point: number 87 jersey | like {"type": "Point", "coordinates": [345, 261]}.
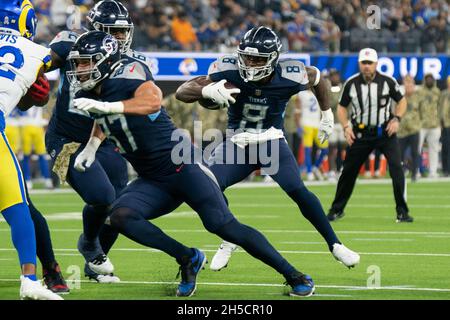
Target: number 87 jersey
{"type": "Point", "coordinates": [20, 62]}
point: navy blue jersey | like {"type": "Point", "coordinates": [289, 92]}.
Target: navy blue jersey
{"type": "Point", "coordinates": [260, 107]}
{"type": "Point", "coordinates": [145, 141]}
{"type": "Point", "coordinates": [66, 120]}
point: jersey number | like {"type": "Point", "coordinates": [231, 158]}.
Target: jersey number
{"type": "Point", "coordinates": [16, 63]}
{"type": "Point", "coordinates": [109, 120]}
{"type": "Point", "coordinates": [254, 113]}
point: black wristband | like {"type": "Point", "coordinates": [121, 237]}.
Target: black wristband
{"type": "Point", "coordinates": [398, 118]}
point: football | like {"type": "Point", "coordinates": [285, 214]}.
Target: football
{"type": "Point", "coordinates": [208, 104]}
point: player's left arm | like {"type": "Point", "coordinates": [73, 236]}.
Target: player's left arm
{"type": "Point", "coordinates": [147, 99]}
{"type": "Point", "coordinates": [320, 88]}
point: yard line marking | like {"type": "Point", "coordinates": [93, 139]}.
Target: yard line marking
{"type": "Point", "coordinates": [301, 242]}
{"type": "Point", "coordinates": [380, 239]}
{"type": "Point", "coordinates": [412, 254]}
{"type": "Point", "coordinates": [420, 233]}
{"type": "Point", "coordinates": [240, 284]}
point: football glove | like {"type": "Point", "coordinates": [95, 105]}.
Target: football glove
{"type": "Point", "coordinates": [220, 95]}
{"type": "Point", "coordinates": [326, 125]}
{"type": "Point", "coordinates": [99, 107]}
{"type": "Point", "coordinates": [40, 89]}
{"type": "Point", "coordinates": [86, 157]}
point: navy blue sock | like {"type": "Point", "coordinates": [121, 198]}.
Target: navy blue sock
{"type": "Point", "coordinates": [132, 225]}
{"type": "Point", "coordinates": [308, 159]}
{"type": "Point", "coordinates": [312, 210]}
{"type": "Point", "coordinates": [26, 168]}
{"type": "Point", "coordinates": [255, 244]}
{"type": "Point", "coordinates": [43, 165]}
{"type": "Point", "coordinates": [22, 232]}
{"type": "Point", "coordinates": [44, 246]}
{"type": "Point", "coordinates": [93, 219]}
{"type": "Point", "coordinates": [107, 237]}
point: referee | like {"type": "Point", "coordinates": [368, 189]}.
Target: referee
{"type": "Point", "coordinates": [373, 125]}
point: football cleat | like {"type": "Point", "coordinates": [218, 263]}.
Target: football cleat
{"type": "Point", "coordinates": [302, 285]}
{"type": "Point", "coordinates": [100, 278]}
{"type": "Point", "coordinates": [94, 256]}
{"type": "Point", "coordinates": [345, 256]}
{"type": "Point", "coordinates": [54, 280]}
{"type": "Point", "coordinates": [404, 217]}
{"type": "Point", "coordinates": [333, 216]}
{"type": "Point", "coordinates": [222, 256]}
{"type": "Point", "coordinates": [189, 273]}
{"type": "Point", "coordinates": [34, 290]}
{"type": "Point", "coordinates": [101, 265]}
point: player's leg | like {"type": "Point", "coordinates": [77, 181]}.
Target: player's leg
{"type": "Point", "coordinates": [203, 195]}
{"type": "Point", "coordinates": [115, 167]}
{"type": "Point", "coordinates": [39, 150]}
{"type": "Point", "coordinates": [51, 271]}
{"type": "Point", "coordinates": [95, 189]}
{"type": "Point", "coordinates": [355, 157]}
{"type": "Point", "coordinates": [323, 152]}
{"type": "Point", "coordinates": [289, 180]}
{"type": "Point", "coordinates": [142, 200]}
{"type": "Point", "coordinates": [229, 164]}
{"type": "Point", "coordinates": [15, 210]}
{"type": "Point", "coordinates": [308, 140]}
{"type": "Point", "coordinates": [27, 148]}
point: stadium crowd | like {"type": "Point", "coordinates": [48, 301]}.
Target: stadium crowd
{"type": "Point", "coordinates": [421, 26]}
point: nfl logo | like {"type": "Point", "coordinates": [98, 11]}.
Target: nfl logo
{"type": "Point", "coordinates": [258, 92]}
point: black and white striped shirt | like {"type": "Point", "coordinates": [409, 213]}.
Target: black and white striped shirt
{"type": "Point", "coordinates": [371, 102]}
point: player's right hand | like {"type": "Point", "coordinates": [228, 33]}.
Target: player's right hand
{"type": "Point", "coordinates": [219, 94]}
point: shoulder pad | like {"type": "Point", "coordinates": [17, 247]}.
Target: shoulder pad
{"type": "Point", "coordinates": [294, 70]}
{"type": "Point", "coordinates": [131, 71]}
{"type": "Point", "coordinates": [139, 56]}
{"type": "Point", "coordinates": [65, 36]}
{"type": "Point", "coordinates": [222, 64]}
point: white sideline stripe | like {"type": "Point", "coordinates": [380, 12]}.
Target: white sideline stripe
{"type": "Point", "coordinates": [412, 254]}
{"type": "Point", "coordinates": [424, 233]}
{"type": "Point", "coordinates": [240, 284]}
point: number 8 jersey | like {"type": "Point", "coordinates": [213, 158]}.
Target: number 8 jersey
{"type": "Point", "coordinates": [20, 62]}
{"type": "Point", "coordinates": [260, 106]}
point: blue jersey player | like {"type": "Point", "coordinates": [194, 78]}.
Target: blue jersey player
{"type": "Point", "coordinates": [127, 107]}
{"type": "Point", "coordinates": [263, 85]}
{"type": "Point", "coordinates": [68, 133]}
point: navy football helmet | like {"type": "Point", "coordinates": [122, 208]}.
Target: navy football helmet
{"type": "Point", "coordinates": [112, 17]}
{"type": "Point", "coordinates": [94, 56]}
{"type": "Point", "coordinates": [258, 53]}
{"type": "Point", "coordinates": [18, 16]}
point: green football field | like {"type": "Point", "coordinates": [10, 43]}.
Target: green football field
{"type": "Point", "coordinates": [398, 261]}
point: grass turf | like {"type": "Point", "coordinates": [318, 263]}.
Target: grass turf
{"type": "Point", "coordinates": [410, 260]}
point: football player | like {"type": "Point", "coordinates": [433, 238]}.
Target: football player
{"type": "Point", "coordinates": [27, 62]}
{"type": "Point", "coordinates": [142, 130]}
{"type": "Point", "coordinates": [264, 85]}
{"type": "Point", "coordinates": [68, 133]}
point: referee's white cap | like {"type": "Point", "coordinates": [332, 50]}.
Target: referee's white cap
{"type": "Point", "coordinates": [368, 54]}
